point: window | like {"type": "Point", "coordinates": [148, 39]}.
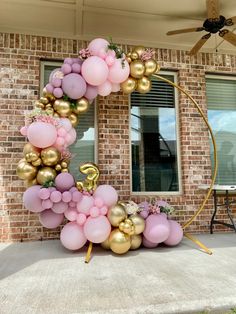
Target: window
{"type": "Point", "coordinates": [83, 150]}
{"type": "Point", "coordinates": [221, 103]}
{"type": "Point", "coordinates": [155, 166]}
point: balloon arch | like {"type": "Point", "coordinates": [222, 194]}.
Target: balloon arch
{"type": "Point", "coordinates": [93, 212]}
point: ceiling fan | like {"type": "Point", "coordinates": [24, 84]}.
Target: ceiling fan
{"type": "Point", "coordinates": [213, 24]}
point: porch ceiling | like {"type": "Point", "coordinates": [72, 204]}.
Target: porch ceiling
{"type": "Point", "coordinates": [133, 22]}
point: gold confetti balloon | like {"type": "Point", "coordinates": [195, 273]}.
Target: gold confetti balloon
{"type": "Point", "coordinates": [50, 156]}
{"type": "Point", "coordinates": [137, 69]}
{"type": "Point", "coordinates": [150, 67]}
{"type": "Point", "coordinates": [25, 170]}
{"type": "Point", "coordinates": [119, 242]}
{"type": "Point", "coordinates": [136, 241]}
{"type": "Point", "coordinates": [46, 174]}
{"type": "Point", "coordinates": [129, 85]}
{"type": "Point", "coordinates": [138, 222]}
{"type": "Point", "coordinates": [144, 85]}
{"type": "Point", "coordinates": [116, 214]}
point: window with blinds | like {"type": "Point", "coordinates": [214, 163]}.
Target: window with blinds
{"type": "Point", "coordinates": [154, 139]}
{"type": "Point", "coordinates": [221, 104]}
{"type": "Point", "coordinates": [83, 150]}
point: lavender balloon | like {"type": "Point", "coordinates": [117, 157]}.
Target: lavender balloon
{"type": "Point", "coordinates": [97, 229]}
{"type": "Point", "coordinates": [64, 181]}
{"type": "Point", "coordinates": [31, 199]}
{"type": "Point", "coordinates": [157, 228]}
{"type": "Point", "coordinates": [176, 233]}
{"type": "Point", "coordinates": [148, 244]}
{"type": "Point", "coordinates": [50, 220]}
{"type": "Point", "coordinates": [74, 86]}
{"type": "Point", "coordinates": [91, 92]}
{"type": "Point", "coordinates": [107, 193]}
{"type": "Point", "coordinates": [72, 236]}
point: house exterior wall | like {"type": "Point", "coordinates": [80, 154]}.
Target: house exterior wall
{"type": "Point", "coordinates": [20, 57]}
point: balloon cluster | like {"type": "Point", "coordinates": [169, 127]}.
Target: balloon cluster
{"type": "Point", "coordinates": [142, 66]}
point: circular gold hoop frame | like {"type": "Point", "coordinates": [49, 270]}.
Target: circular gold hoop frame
{"type": "Point", "coordinates": [213, 142]}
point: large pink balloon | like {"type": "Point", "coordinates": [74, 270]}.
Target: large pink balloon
{"type": "Point", "coordinates": [73, 85]}
{"type": "Point", "coordinates": [91, 92]}
{"type": "Point", "coordinates": [95, 71]}
{"type": "Point", "coordinates": [96, 45]}
{"type": "Point", "coordinates": [148, 244]}
{"type": "Point", "coordinates": [85, 204]}
{"type": "Point", "coordinates": [105, 89]}
{"type": "Point", "coordinates": [31, 199]}
{"type": "Point", "coordinates": [107, 193]}
{"type": "Point", "coordinates": [41, 134]}
{"type": "Point", "coordinates": [157, 228]}
{"type": "Point", "coordinates": [119, 71]}
{"type": "Point", "coordinates": [97, 229]}
{"type": "Point", "coordinates": [176, 233]}
{"type": "Point", "coordinates": [72, 236]}
{"type": "Point", "coordinates": [50, 220]}
{"type": "Point", "coordinates": [64, 181]}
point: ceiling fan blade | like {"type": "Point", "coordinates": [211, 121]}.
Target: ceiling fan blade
{"type": "Point", "coordinates": [229, 36]}
{"type": "Point", "coordinates": [185, 30]}
{"type": "Point", "coordinates": [231, 21]}
{"type": "Point", "coordinates": [199, 44]}
{"type": "Point", "coordinates": [212, 9]}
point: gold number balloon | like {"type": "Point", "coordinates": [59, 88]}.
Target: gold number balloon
{"type": "Point", "coordinates": [46, 174]}
{"type": "Point", "coordinates": [25, 170]}
{"type": "Point", "coordinates": [50, 156]}
{"type": "Point", "coordinates": [93, 173]}
{"type": "Point", "coordinates": [120, 242]}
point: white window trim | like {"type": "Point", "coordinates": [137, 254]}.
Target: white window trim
{"type": "Point", "coordinates": [162, 193]}
{"type": "Point", "coordinates": [58, 63]}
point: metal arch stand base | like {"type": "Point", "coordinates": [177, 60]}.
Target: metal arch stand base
{"type": "Point", "coordinates": [198, 243]}
{"type": "Point", "coordinates": [89, 251]}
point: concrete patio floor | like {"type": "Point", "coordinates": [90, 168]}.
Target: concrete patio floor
{"type": "Point", "coordinates": [42, 277]}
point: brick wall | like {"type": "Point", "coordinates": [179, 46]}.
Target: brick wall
{"type": "Point", "coordinates": [20, 57]}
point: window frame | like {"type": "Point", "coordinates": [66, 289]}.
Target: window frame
{"type": "Point", "coordinates": [178, 148]}
{"type": "Point", "coordinates": [58, 63]}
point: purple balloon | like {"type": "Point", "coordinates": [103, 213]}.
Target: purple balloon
{"type": "Point", "coordinates": [49, 88]}
{"type": "Point", "coordinates": [64, 181]}
{"type": "Point", "coordinates": [44, 193]}
{"type": "Point", "coordinates": [69, 61]}
{"type": "Point", "coordinates": [66, 196]}
{"type": "Point", "coordinates": [60, 207]}
{"type": "Point", "coordinates": [144, 214]}
{"type": "Point", "coordinates": [76, 68]}
{"type": "Point", "coordinates": [49, 219]}
{"type": "Point", "coordinates": [46, 204]}
{"type": "Point", "coordinates": [157, 228]}
{"type": "Point", "coordinates": [31, 199]}
{"type": "Point", "coordinates": [72, 236]}
{"type": "Point", "coordinates": [76, 196]}
{"type": "Point", "coordinates": [97, 229]}
{"type": "Point", "coordinates": [71, 214]}
{"type": "Point", "coordinates": [148, 244]}
{"type": "Point", "coordinates": [85, 204]}
{"type": "Point", "coordinates": [66, 68]}
{"type": "Point", "coordinates": [55, 196]}
{"type": "Point", "coordinates": [74, 86]}
{"type": "Point", "coordinates": [53, 74]}
{"type": "Point", "coordinates": [56, 82]}
{"type": "Point", "coordinates": [58, 92]}
{"type": "Point", "coordinates": [176, 233]}
{"type": "Point", "coordinates": [91, 92]}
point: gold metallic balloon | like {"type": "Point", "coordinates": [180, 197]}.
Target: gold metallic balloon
{"type": "Point", "coordinates": [127, 226]}
{"type": "Point", "coordinates": [137, 69]}
{"type": "Point", "coordinates": [56, 115]}
{"type": "Point", "coordinates": [64, 170]}
{"type": "Point", "coordinates": [44, 100]}
{"type": "Point", "coordinates": [129, 85]}
{"type": "Point", "coordinates": [39, 105]}
{"type": "Point", "coordinates": [116, 214]}
{"type": "Point", "coordinates": [134, 55]}
{"type": "Point", "coordinates": [93, 173]}
{"type": "Point", "coordinates": [119, 242]}
{"type": "Point", "coordinates": [29, 183]}
{"type": "Point", "coordinates": [136, 241]}
{"type": "Point", "coordinates": [129, 60]}
{"type": "Point", "coordinates": [25, 170]}
{"type": "Point", "coordinates": [46, 174]}
{"type": "Point", "coordinates": [45, 92]}
{"type": "Point", "coordinates": [50, 156]}
{"type": "Point", "coordinates": [82, 105]}
{"type": "Point", "coordinates": [73, 119]}
{"type": "Point", "coordinates": [58, 167]}
{"type": "Point", "coordinates": [105, 244]}
{"type": "Point", "coordinates": [64, 164]}
{"type": "Point", "coordinates": [140, 50]}
{"type": "Point", "coordinates": [48, 106]}
{"type": "Point", "coordinates": [150, 67]}
{"type": "Point", "coordinates": [37, 162]}
{"type": "Point", "coordinates": [62, 107]}
{"type": "Point", "coordinates": [138, 222]}
{"type": "Point", "coordinates": [144, 85]}
{"type": "Point", "coordinates": [128, 54]}
{"type": "Point", "coordinates": [29, 148]}
{"type": "Point", "coordinates": [50, 111]}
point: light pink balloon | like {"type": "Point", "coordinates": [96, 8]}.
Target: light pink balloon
{"type": "Point", "coordinates": [72, 204]}
{"type": "Point", "coordinates": [96, 45]}
{"type": "Point", "coordinates": [107, 193]}
{"type": "Point", "coordinates": [49, 219]}
{"type": "Point", "coordinates": [49, 88]}
{"type": "Point", "coordinates": [91, 92]}
{"type": "Point", "coordinates": [104, 89]}
{"type": "Point", "coordinates": [110, 60]}
{"type": "Point", "coordinates": [95, 71]}
{"type": "Point", "coordinates": [60, 207]}
{"type": "Point", "coordinates": [176, 233]}
{"type": "Point", "coordinates": [81, 219]}
{"type": "Point", "coordinates": [71, 214]}
{"type": "Point", "coordinates": [66, 68]}
{"type": "Point", "coordinates": [94, 211]}
{"type": "Point", "coordinates": [66, 196]}
{"type": "Point", "coordinates": [23, 130]}
{"type": "Point", "coordinates": [58, 92]}
{"type": "Point", "coordinates": [115, 87]}
{"type": "Point", "coordinates": [46, 204]}
{"type": "Point", "coordinates": [157, 228]}
{"type": "Point", "coordinates": [148, 244]}
{"type": "Point", "coordinates": [44, 193]}
{"type": "Point", "coordinates": [61, 132]}
{"type": "Point", "coordinates": [76, 196]}
{"type": "Point", "coordinates": [56, 82]}
{"type": "Point", "coordinates": [98, 201]}
{"type": "Point", "coordinates": [111, 53]}
{"type": "Point", "coordinates": [55, 196]}
{"type": "Point", "coordinates": [119, 71]}
{"type": "Point", "coordinates": [60, 141]}
{"type": "Point", "coordinates": [41, 134]}
{"type": "Point", "coordinates": [31, 199]}
{"type": "Point", "coordinates": [72, 236]}
{"type": "Point", "coordinates": [64, 181]}
{"type": "Point", "coordinates": [69, 61]}
{"type": "Point", "coordinates": [97, 229]}
{"type": "Point", "coordinates": [76, 68]}
{"type": "Point", "coordinates": [66, 124]}
{"type": "Point", "coordinates": [102, 53]}
{"type": "Point", "coordinates": [73, 85]}
{"type": "Point", "coordinates": [73, 135]}
{"type": "Point", "coordinates": [85, 204]}
{"type": "Point", "coordinates": [103, 210]}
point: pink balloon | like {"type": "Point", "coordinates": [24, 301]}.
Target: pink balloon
{"type": "Point", "coordinates": [66, 68]}
{"type": "Point", "coordinates": [60, 208]}
{"type": "Point", "coordinates": [56, 82]}
{"type": "Point", "coordinates": [111, 53]}
{"type": "Point", "coordinates": [73, 85]}
{"type": "Point", "coordinates": [44, 193]}
{"type": "Point", "coordinates": [95, 71]}
{"type": "Point", "coordinates": [102, 53]}
{"type": "Point", "coordinates": [66, 196]}
{"type": "Point", "coordinates": [73, 189]}
{"type": "Point", "coordinates": [66, 124]}
{"type": "Point", "coordinates": [157, 228]}
{"type": "Point", "coordinates": [76, 196]}
{"type": "Point", "coordinates": [97, 229]}
{"type": "Point", "coordinates": [50, 220]}
{"type": "Point", "coordinates": [115, 87]}
{"type": "Point", "coordinates": [69, 61]}
{"type": "Point", "coordinates": [94, 211]}
{"type": "Point", "coordinates": [60, 141]}
{"type": "Point", "coordinates": [76, 68]}
{"type": "Point", "coordinates": [23, 131]}
{"type": "Point", "coordinates": [103, 210]}
{"type": "Point", "coordinates": [49, 88]}
{"type": "Point", "coordinates": [72, 204]}
{"type": "Point", "coordinates": [31, 199]}
{"type": "Point", "coordinates": [41, 134]}
{"type": "Point", "coordinates": [73, 135]}
{"type": "Point", "coordinates": [81, 218]}
{"type": "Point", "coordinates": [110, 60]}
{"type": "Point", "coordinates": [149, 244]}
{"type": "Point", "coordinates": [98, 201]}
{"type": "Point", "coordinates": [58, 92]}
{"type": "Point", "coordinates": [55, 196]}
{"type": "Point", "coordinates": [71, 214]}
{"type": "Point", "coordinates": [54, 74]}
{"type": "Point", "coordinates": [119, 71]}
{"type": "Point", "coordinates": [46, 204]}
{"type": "Point", "coordinates": [72, 236]}
{"type": "Point", "coordinates": [91, 92]}
{"type": "Point", "coordinates": [104, 89]}
{"type": "Point", "coordinates": [85, 204]}
{"type": "Point", "coordinates": [64, 181]}
{"type": "Point", "coordinates": [176, 233]}
{"type": "Point", "coordinates": [144, 214]}
{"type": "Point", "coordinates": [107, 193]}
{"type": "Point", "coordinates": [61, 132]}
{"type": "Point", "coordinates": [96, 45]}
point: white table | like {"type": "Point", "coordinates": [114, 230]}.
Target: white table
{"type": "Point", "coordinates": [226, 204]}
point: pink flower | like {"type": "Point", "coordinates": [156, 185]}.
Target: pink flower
{"type": "Point", "coordinates": [84, 53]}
{"type": "Point", "coordinates": [147, 54]}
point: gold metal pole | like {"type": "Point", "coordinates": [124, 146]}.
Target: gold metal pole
{"type": "Point", "coordinates": [88, 255]}
{"type": "Point", "coordinates": [188, 223]}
